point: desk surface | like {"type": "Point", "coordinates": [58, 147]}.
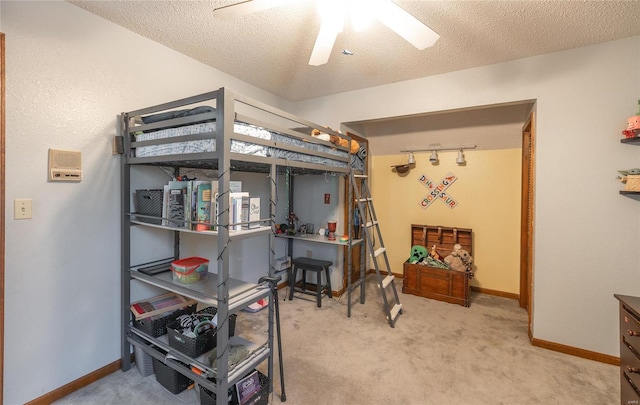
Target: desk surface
{"type": "Point", "coordinates": [318, 239]}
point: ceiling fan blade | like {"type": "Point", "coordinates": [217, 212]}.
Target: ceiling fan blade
{"type": "Point", "coordinates": [406, 25]}
{"type": "Point", "coordinates": [247, 7]}
{"type": "Point", "coordinates": [324, 42]}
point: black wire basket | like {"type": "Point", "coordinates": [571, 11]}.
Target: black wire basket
{"type": "Point", "coordinates": [157, 325]}
{"type": "Point", "coordinates": [149, 202]}
{"type": "Point", "coordinates": [202, 342]}
{"type": "Point", "coordinates": [169, 378]}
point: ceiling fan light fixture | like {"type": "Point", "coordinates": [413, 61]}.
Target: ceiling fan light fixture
{"type": "Point", "coordinates": [361, 14]}
{"type": "Point", "coordinates": [333, 10]}
{"type": "Point", "coordinates": [334, 13]}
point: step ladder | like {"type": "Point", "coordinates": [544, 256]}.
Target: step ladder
{"type": "Point", "coordinates": [371, 233]}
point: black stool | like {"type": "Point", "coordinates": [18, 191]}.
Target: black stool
{"type": "Point", "coordinates": [308, 264]}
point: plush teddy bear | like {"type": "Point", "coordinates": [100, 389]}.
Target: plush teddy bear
{"type": "Point", "coordinates": [459, 259]}
{"type": "Point", "coordinates": [336, 140]}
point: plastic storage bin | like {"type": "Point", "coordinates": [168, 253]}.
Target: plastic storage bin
{"type": "Point", "coordinates": [190, 269]}
{"type": "Point", "coordinates": [149, 202]}
{"type": "Point", "coordinates": [144, 362]}
{"type": "Point", "coordinates": [157, 325]}
{"type": "Point", "coordinates": [169, 378]}
{"type": "Point", "coordinates": [203, 342]}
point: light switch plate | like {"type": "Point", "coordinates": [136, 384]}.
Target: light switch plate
{"type": "Point", "coordinates": [22, 208]}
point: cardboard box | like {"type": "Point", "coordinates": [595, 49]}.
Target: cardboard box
{"type": "Point", "coordinates": [633, 183]}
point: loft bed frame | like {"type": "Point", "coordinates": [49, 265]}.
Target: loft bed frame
{"type": "Point", "coordinates": [232, 133]}
{"type": "Point", "coordinates": [281, 139]}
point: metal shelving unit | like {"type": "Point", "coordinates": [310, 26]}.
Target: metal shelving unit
{"type": "Point", "coordinates": [226, 294]}
{"type": "Point", "coordinates": [631, 141]}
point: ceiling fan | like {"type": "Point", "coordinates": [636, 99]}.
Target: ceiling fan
{"type": "Point", "coordinates": [334, 13]}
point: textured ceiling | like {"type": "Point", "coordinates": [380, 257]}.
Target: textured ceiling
{"type": "Point", "coordinates": [271, 49]}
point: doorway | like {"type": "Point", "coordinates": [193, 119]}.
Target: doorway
{"type": "Point", "coordinates": [355, 260]}
{"type": "Point", "coordinates": [494, 127]}
{"type": "Point", "coordinates": [527, 218]}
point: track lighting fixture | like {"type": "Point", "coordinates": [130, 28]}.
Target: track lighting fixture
{"type": "Point", "coordinates": [433, 158]}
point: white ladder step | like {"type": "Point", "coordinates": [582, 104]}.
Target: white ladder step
{"type": "Point", "coordinates": [360, 176]}
{"type": "Point", "coordinates": [370, 224]}
{"type": "Point", "coordinates": [364, 199]}
{"type": "Point", "coordinates": [379, 251]}
{"type": "Point", "coordinates": [387, 280]}
{"type": "Point", "coordinates": [395, 311]}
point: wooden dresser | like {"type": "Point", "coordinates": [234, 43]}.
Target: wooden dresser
{"type": "Point", "coordinates": [629, 349]}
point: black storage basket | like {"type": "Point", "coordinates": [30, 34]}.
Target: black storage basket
{"type": "Point", "coordinates": [144, 362]}
{"type": "Point", "coordinates": [204, 342]}
{"type": "Point", "coordinates": [169, 378]}
{"type": "Point", "coordinates": [157, 326]}
{"type": "Point", "coordinates": [261, 397]}
{"type": "Point", "coordinates": [149, 202]}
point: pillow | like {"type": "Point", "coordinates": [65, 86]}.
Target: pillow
{"type": "Point", "coordinates": [176, 114]}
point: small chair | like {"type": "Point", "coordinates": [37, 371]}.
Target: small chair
{"type": "Point", "coordinates": [308, 264]}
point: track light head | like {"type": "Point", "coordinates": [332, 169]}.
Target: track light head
{"type": "Point", "coordinates": [434, 157]}
{"type": "Point", "coordinates": [460, 160]}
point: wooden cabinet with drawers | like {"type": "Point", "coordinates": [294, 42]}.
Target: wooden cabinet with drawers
{"type": "Point", "coordinates": [629, 349]}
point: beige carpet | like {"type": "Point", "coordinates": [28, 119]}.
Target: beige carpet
{"type": "Point", "coordinates": [438, 353]}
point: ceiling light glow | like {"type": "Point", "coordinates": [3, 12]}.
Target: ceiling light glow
{"type": "Point", "coordinates": [334, 14]}
{"type": "Point", "coordinates": [361, 13]}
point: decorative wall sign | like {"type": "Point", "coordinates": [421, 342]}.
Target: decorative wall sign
{"type": "Point", "coordinates": [437, 191]}
{"type": "Point", "coordinates": [450, 201]}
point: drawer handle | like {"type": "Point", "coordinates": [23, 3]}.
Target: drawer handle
{"type": "Point", "coordinates": [633, 369]}
{"type": "Point", "coordinates": [632, 333]}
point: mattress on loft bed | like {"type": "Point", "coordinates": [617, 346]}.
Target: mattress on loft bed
{"type": "Point", "coordinates": [208, 145]}
{"type": "Point", "coordinates": [242, 147]}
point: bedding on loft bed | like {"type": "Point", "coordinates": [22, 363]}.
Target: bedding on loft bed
{"type": "Point", "coordinates": [237, 146]}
